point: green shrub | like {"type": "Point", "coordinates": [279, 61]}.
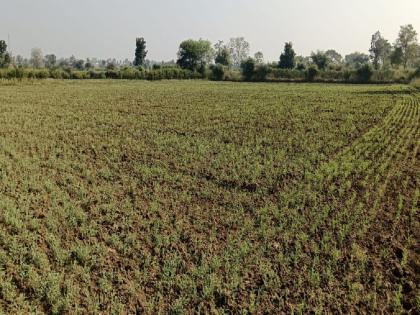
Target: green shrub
{"type": "Point", "coordinates": [57, 74]}
{"type": "Point", "coordinates": [311, 73]}
{"type": "Point", "coordinates": [129, 74]}
{"type": "Point", "coordinates": [217, 72]}
{"type": "Point", "coordinates": [248, 69]}
{"type": "Point", "coordinates": [364, 73]}
{"type": "Point", "coordinates": [42, 74]}
{"type": "Point", "coordinates": [113, 74]}
{"type": "Point", "coordinates": [289, 74]}
{"type": "Point", "coordinates": [332, 75]}
{"type": "Point", "coordinates": [97, 74]}
{"type": "Point", "coordinates": [384, 75]}
{"type": "Point", "coordinates": [261, 73]}
{"type": "Point", "coordinates": [416, 83]}
{"type": "Point", "coordinates": [79, 75]}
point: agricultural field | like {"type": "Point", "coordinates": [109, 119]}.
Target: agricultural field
{"type": "Point", "coordinates": [195, 197]}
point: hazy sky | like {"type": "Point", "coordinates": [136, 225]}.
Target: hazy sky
{"type": "Point", "coordinates": [108, 28]}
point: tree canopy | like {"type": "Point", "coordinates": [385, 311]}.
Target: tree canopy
{"type": "Point", "coordinates": [320, 59]}
{"type": "Point", "coordinates": [287, 58]}
{"type": "Point", "coordinates": [193, 54]}
{"type": "Point", "coordinates": [356, 60]}
{"type": "Point", "coordinates": [407, 42]}
{"type": "Point", "coordinates": [380, 50]}
{"type": "Point", "coordinates": [239, 50]}
{"type": "Point", "coordinates": [223, 56]}
{"type": "Point", "coordinates": [4, 55]}
{"type": "Point", "coordinates": [141, 52]}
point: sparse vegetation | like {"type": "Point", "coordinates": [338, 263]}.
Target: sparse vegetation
{"type": "Point", "coordinates": [204, 197]}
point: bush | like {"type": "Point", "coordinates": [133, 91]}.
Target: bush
{"type": "Point", "coordinates": [79, 75]}
{"type": "Point", "coordinates": [301, 66]}
{"type": "Point", "coordinates": [10, 73]}
{"type": "Point", "coordinates": [97, 74]}
{"type": "Point", "coordinates": [262, 72]}
{"type": "Point", "coordinates": [57, 74]}
{"type": "Point", "coordinates": [364, 73]}
{"type": "Point", "coordinates": [20, 73]}
{"type": "Point", "coordinates": [113, 74]}
{"type": "Point", "coordinates": [248, 69]}
{"type": "Point", "coordinates": [217, 72]}
{"type": "Point", "coordinates": [415, 74]}
{"type": "Point", "coordinates": [332, 75]}
{"type": "Point", "coordinates": [311, 73]}
{"type": "Point", "coordinates": [129, 74]}
{"type": "Point", "coordinates": [416, 83]}
{"type": "Point", "coordinates": [385, 75]}
{"type": "Point", "coordinates": [289, 74]}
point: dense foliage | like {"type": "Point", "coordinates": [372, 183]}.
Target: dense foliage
{"type": "Point", "coordinates": [141, 52]}
{"type": "Point", "coordinates": [232, 61]}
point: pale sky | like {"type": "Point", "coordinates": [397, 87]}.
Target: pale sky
{"type": "Point", "coordinates": [108, 28]}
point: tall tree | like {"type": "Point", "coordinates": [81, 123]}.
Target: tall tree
{"type": "Point", "coordinates": [407, 42]}
{"type": "Point", "coordinates": [3, 48]}
{"type": "Point", "coordinates": [37, 59]}
{"type": "Point", "coordinates": [334, 57]}
{"type": "Point", "coordinates": [380, 50]}
{"type": "Point", "coordinates": [248, 69]}
{"type": "Point", "coordinates": [50, 61]}
{"type": "Point", "coordinates": [223, 56]}
{"type": "Point", "coordinates": [287, 58]}
{"type": "Point", "coordinates": [356, 60]}
{"type": "Point", "coordinates": [239, 50]}
{"type": "Point", "coordinates": [396, 56]}
{"type": "Point", "coordinates": [141, 52]}
{"type": "Point", "coordinates": [4, 55]}
{"type": "Point", "coordinates": [259, 57]}
{"type": "Point", "coordinates": [194, 54]}
{"type": "Point", "coordinates": [320, 59]}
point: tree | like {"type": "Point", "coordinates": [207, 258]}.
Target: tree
{"type": "Point", "coordinates": [261, 72]}
{"type": "Point", "coordinates": [141, 52]}
{"type": "Point", "coordinates": [396, 56]}
{"type": "Point", "coordinates": [302, 62]}
{"type": "Point", "coordinates": [259, 57]}
{"type": "Point", "coordinates": [287, 58]}
{"type": "Point", "coordinates": [248, 68]}
{"type": "Point", "coordinates": [50, 61]}
{"type": "Point", "coordinates": [407, 41]}
{"type": "Point", "coordinates": [311, 73]}
{"type": "Point", "coordinates": [3, 48]}
{"type": "Point", "coordinates": [217, 72]}
{"type": "Point", "coordinates": [193, 54]}
{"type": "Point", "coordinates": [20, 61]}
{"type": "Point", "coordinates": [380, 49]}
{"type": "Point", "coordinates": [334, 57]}
{"type": "Point", "coordinates": [320, 59]}
{"type": "Point", "coordinates": [79, 64]}
{"type": "Point", "coordinates": [356, 60]}
{"type": "Point", "coordinates": [239, 50]}
{"type": "Point", "coordinates": [4, 55]}
{"type": "Point", "coordinates": [88, 64]}
{"type": "Point", "coordinates": [364, 73]}
{"type": "Point", "coordinates": [37, 59]}
{"type": "Point", "coordinates": [223, 56]}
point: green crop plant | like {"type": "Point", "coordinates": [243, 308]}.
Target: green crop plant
{"type": "Point", "coordinates": [182, 197]}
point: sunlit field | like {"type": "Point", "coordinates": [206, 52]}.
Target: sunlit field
{"type": "Point", "coordinates": [202, 197]}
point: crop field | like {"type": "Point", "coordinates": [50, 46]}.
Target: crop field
{"type": "Point", "coordinates": [194, 197]}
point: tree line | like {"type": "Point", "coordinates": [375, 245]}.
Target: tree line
{"type": "Point", "coordinates": [232, 61]}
